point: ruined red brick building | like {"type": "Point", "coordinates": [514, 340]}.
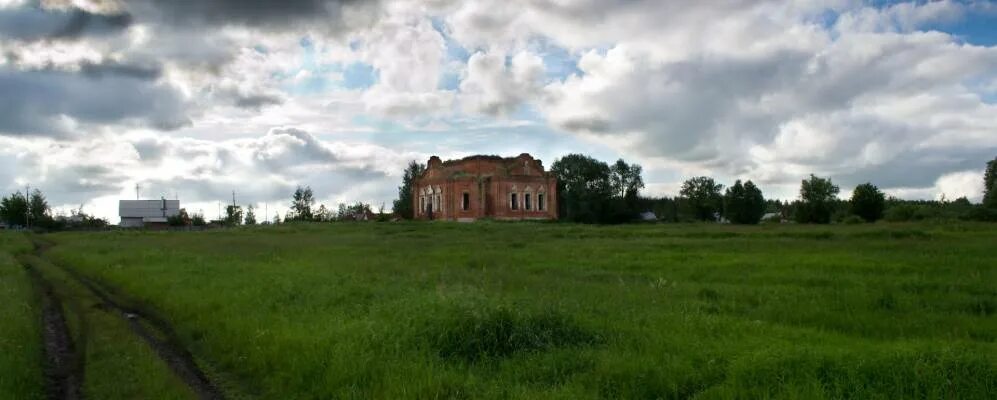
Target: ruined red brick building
{"type": "Point", "coordinates": [485, 187]}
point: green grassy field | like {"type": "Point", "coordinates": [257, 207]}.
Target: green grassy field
{"type": "Point", "coordinates": [118, 364]}
{"type": "Point", "coordinates": [20, 338]}
{"type": "Point", "coordinates": [495, 310]}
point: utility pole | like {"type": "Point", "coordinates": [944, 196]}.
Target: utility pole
{"type": "Point", "coordinates": [27, 206]}
{"type": "Point", "coordinates": [137, 191]}
{"type": "Point", "coordinates": [233, 198]}
{"type": "Point", "coordinates": [266, 212]}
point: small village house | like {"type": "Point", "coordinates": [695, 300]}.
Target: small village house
{"type": "Point", "coordinates": [147, 213]}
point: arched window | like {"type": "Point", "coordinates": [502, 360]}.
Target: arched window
{"type": "Point", "coordinates": [465, 201]}
{"type": "Point", "coordinates": [541, 201]}
{"type": "Point", "coordinates": [527, 203]}
{"type": "Point", "coordinates": [437, 199]}
{"type": "Point", "coordinates": [513, 202]}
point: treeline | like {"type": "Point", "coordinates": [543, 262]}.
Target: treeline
{"type": "Point", "coordinates": [302, 209]}
{"type": "Point", "coordinates": [591, 191]}
{"type": "Point", "coordinates": [18, 210]}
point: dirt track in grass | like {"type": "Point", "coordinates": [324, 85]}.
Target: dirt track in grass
{"type": "Point", "coordinates": [159, 335]}
{"type": "Point", "coordinates": [63, 363]}
{"type": "Point", "coordinates": [66, 376]}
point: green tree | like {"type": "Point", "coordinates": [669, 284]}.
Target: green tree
{"type": "Point", "coordinates": [744, 204]}
{"type": "Point", "coordinates": [323, 214]}
{"type": "Point", "coordinates": [703, 196]}
{"type": "Point", "coordinates": [33, 210]}
{"type": "Point", "coordinates": [817, 199]}
{"type": "Point", "coordinates": [301, 204]}
{"type": "Point", "coordinates": [198, 219]}
{"type": "Point", "coordinates": [755, 203]}
{"type": "Point", "coordinates": [868, 202]}
{"type": "Point", "coordinates": [403, 205]}
{"type": "Point", "coordinates": [250, 215]}
{"type": "Point", "coordinates": [626, 179]}
{"type": "Point", "coordinates": [356, 212]}
{"type": "Point", "coordinates": [584, 188]}
{"type": "Point", "coordinates": [233, 215]}
{"type": "Point", "coordinates": [181, 219]}
{"type": "Point", "coordinates": [990, 185]}
{"type": "Point", "coordinates": [14, 209]}
{"type": "Point", "coordinates": [734, 202]}
{"type": "Point", "coordinates": [38, 207]}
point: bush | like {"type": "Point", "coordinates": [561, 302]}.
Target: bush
{"type": "Point", "coordinates": [839, 216]}
{"type": "Point", "coordinates": [980, 213]}
{"type": "Point", "coordinates": [901, 213]}
{"type": "Point", "coordinates": [852, 220]}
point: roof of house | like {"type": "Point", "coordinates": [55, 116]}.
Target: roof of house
{"type": "Point", "coordinates": [148, 208]}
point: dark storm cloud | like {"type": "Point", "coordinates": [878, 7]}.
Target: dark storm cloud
{"type": "Point", "coordinates": [258, 13]}
{"type": "Point", "coordinates": [150, 150]}
{"type": "Point", "coordinates": [591, 124]}
{"type": "Point", "coordinates": [112, 69]}
{"type": "Point", "coordinates": [92, 180]}
{"type": "Point", "coordinates": [39, 102]}
{"type": "Point", "coordinates": [31, 23]}
{"type": "Point", "coordinates": [919, 168]}
{"type": "Point", "coordinates": [82, 22]}
{"type": "Point", "coordinates": [257, 101]}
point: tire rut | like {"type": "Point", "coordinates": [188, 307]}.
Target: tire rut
{"type": "Point", "coordinates": [157, 333]}
{"type": "Point", "coordinates": [63, 366]}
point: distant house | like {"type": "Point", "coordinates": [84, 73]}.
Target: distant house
{"type": "Point", "coordinates": [772, 216]}
{"type": "Point", "coordinates": [648, 216]}
{"type": "Point", "coordinates": [147, 213]}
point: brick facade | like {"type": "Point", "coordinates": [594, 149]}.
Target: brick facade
{"type": "Point", "coordinates": [485, 187]}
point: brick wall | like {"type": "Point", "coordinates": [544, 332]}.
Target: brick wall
{"type": "Point", "coordinates": [489, 183]}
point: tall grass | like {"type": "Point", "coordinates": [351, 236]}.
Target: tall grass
{"type": "Point", "coordinates": [20, 337]}
{"type": "Point", "coordinates": [493, 310]}
{"type": "Point", "coordinates": [117, 363]}
{"type": "Point", "coordinates": [475, 335]}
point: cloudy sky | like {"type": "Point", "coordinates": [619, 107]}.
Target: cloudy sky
{"type": "Point", "coordinates": [199, 98]}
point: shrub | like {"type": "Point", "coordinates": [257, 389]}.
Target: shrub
{"type": "Point", "coordinates": [852, 220]}
{"type": "Point", "coordinates": [980, 213]}
{"type": "Point", "coordinates": [901, 213]}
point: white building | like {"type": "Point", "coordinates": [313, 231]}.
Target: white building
{"type": "Point", "coordinates": [139, 213]}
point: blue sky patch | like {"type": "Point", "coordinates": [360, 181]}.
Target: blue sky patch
{"type": "Point", "coordinates": [978, 28]}
{"type": "Point", "coordinates": [359, 76]}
